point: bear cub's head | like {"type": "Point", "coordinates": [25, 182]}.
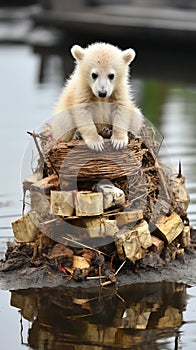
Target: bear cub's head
{"type": "Point", "coordinates": [102, 67]}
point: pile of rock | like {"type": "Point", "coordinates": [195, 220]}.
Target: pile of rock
{"type": "Point", "coordinates": [84, 199]}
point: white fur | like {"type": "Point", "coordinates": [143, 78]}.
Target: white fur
{"type": "Point", "coordinates": [97, 95]}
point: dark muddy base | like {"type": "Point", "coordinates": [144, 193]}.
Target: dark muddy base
{"type": "Point", "coordinates": [175, 271]}
{"type": "Point", "coordinates": [16, 275]}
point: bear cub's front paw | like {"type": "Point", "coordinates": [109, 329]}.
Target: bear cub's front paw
{"type": "Point", "coordinates": [96, 145]}
{"type": "Point", "coordinates": [119, 143]}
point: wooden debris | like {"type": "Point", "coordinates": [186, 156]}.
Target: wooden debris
{"type": "Point", "coordinates": [132, 244]}
{"type": "Point", "coordinates": [46, 185]}
{"type": "Point", "coordinates": [185, 237]}
{"type": "Point", "coordinates": [62, 203]}
{"type": "Point", "coordinates": [127, 217]}
{"type": "Point", "coordinates": [180, 252]}
{"type": "Point", "coordinates": [60, 251]}
{"type": "Point", "coordinates": [161, 207]}
{"type": "Point", "coordinates": [40, 203]}
{"type": "Point", "coordinates": [168, 227]}
{"type": "Point", "coordinates": [78, 263]}
{"type": "Point", "coordinates": [181, 198]}
{"type": "Point", "coordinates": [26, 228]}
{"type": "Point", "coordinates": [142, 231]}
{"type": "Point", "coordinates": [119, 242]}
{"type": "Point", "coordinates": [89, 203]}
{"type": "Point", "coordinates": [27, 183]}
{"type": "Point", "coordinates": [112, 196]}
{"type": "Point", "coordinates": [100, 227]}
{"type": "Point", "coordinates": [157, 244]}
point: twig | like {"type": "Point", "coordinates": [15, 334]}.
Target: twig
{"type": "Point", "coordinates": [84, 245]}
{"type": "Point", "coordinates": [117, 271]}
{"type": "Point", "coordinates": [23, 201]}
{"type": "Point", "coordinates": [42, 137]}
{"type": "Point", "coordinates": [164, 184]}
{"type": "Point", "coordinates": [180, 169]}
{"type": "Point", "coordinates": [139, 197]}
{"type": "Point", "coordinates": [34, 135]}
{"type": "Point", "coordinates": [118, 296]}
{"type": "Point", "coordinates": [103, 284]}
{"type": "Point", "coordinates": [53, 167]}
{"type": "Point", "coordinates": [100, 275]}
{"type": "Point", "coordinates": [95, 277]}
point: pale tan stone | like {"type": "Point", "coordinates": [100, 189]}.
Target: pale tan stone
{"type": "Point", "coordinates": [78, 262]}
{"type": "Point", "coordinates": [133, 249]}
{"type": "Point", "coordinates": [143, 234]}
{"type": "Point", "coordinates": [40, 203]}
{"type": "Point", "coordinates": [62, 203]}
{"type": "Point", "coordinates": [26, 228]}
{"type": "Point", "coordinates": [181, 198]}
{"type": "Point", "coordinates": [112, 196]}
{"type": "Point", "coordinates": [46, 184]}
{"type": "Point", "coordinates": [157, 243]}
{"type": "Point", "coordinates": [169, 227]}
{"type": "Point", "coordinates": [127, 217]}
{"type": "Point", "coordinates": [185, 237]}
{"type": "Point", "coordinates": [31, 180]}
{"type": "Point", "coordinates": [100, 227]}
{"type": "Point", "coordinates": [132, 243]}
{"type": "Point", "coordinates": [89, 203]}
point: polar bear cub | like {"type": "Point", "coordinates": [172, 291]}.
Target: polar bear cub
{"type": "Point", "coordinates": [98, 95]}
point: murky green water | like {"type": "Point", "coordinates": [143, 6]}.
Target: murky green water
{"type": "Point", "coordinates": [158, 316]}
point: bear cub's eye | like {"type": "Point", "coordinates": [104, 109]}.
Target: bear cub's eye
{"type": "Point", "coordinates": [111, 76]}
{"type": "Point", "coordinates": [94, 76]}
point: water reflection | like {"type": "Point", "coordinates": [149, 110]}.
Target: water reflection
{"type": "Point", "coordinates": [135, 317]}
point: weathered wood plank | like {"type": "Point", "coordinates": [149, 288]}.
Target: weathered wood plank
{"type": "Point", "coordinates": [168, 227]}
{"type": "Point", "coordinates": [181, 197]}
{"type": "Point", "coordinates": [132, 244]}
{"type": "Point", "coordinates": [157, 244]}
{"type": "Point", "coordinates": [89, 203]}
{"type": "Point", "coordinates": [46, 185]}
{"type": "Point", "coordinates": [40, 203]}
{"type": "Point", "coordinates": [26, 228]}
{"type": "Point", "coordinates": [127, 217]}
{"type": "Point", "coordinates": [62, 203]}
{"type": "Point", "coordinates": [112, 196]}
{"type": "Point", "coordinates": [27, 183]}
{"type": "Point", "coordinates": [100, 227]}
{"type": "Point", "coordinates": [185, 237]}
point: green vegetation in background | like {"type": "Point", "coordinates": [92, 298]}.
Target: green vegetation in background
{"type": "Point", "coordinates": [153, 97]}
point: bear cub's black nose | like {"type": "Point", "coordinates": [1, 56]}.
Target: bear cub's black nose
{"type": "Point", "coordinates": [102, 94]}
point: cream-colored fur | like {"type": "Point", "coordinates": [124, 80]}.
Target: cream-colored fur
{"type": "Point", "coordinates": [98, 95]}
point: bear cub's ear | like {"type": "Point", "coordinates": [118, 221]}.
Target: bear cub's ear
{"type": "Point", "coordinates": [77, 52]}
{"type": "Point", "coordinates": [128, 55]}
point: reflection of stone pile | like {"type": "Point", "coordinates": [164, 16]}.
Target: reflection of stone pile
{"type": "Point", "coordinates": [67, 319]}
{"type": "Point", "coordinates": [82, 198]}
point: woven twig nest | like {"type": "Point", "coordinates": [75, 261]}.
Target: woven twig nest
{"type": "Point", "coordinates": [75, 158]}
{"type": "Point", "coordinates": [135, 169]}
